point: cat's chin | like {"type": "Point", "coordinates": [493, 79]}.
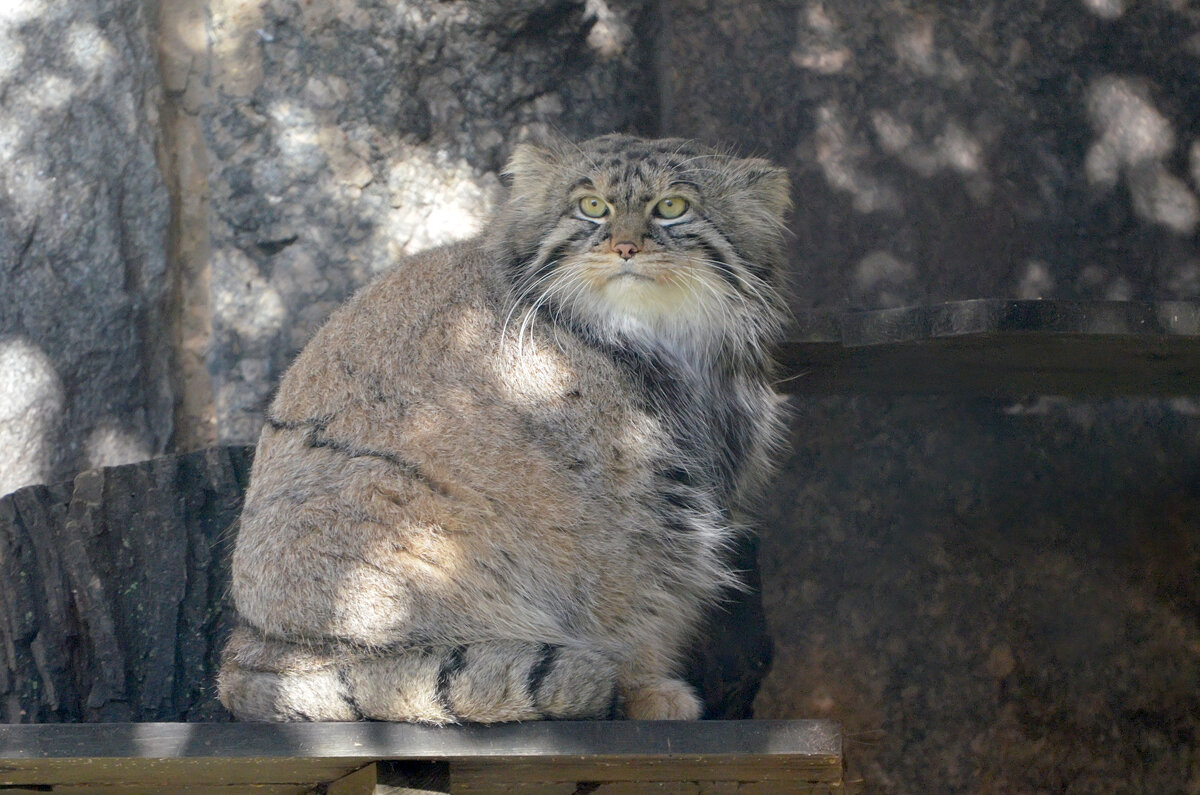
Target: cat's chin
{"type": "Point", "coordinates": [643, 309]}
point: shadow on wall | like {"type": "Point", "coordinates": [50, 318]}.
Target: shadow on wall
{"type": "Point", "coordinates": [996, 150]}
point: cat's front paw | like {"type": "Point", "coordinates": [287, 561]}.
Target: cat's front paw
{"type": "Point", "coordinates": [665, 699]}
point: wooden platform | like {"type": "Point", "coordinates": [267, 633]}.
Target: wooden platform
{"type": "Point", "coordinates": [344, 758]}
{"type": "Point", "coordinates": [999, 348]}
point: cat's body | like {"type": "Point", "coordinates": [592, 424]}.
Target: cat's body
{"type": "Point", "coordinates": [497, 485]}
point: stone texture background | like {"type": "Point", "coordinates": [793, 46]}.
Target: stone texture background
{"type": "Point", "coordinates": [993, 596]}
{"type": "Point", "coordinates": [83, 231]}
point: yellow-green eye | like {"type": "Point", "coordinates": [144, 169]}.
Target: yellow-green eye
{"type": "Point", "coordinates": [671, 207]}
{"type": "Point", "coordinates": [593, 207]}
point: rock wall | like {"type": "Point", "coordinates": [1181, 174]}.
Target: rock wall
{"type": "Point", "coordinates": [946, 150]}
{"type": "Point", "coordinates": [83, 226]}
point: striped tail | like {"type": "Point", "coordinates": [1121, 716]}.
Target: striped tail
{"type": "Point", "coordinates": [486, 682]}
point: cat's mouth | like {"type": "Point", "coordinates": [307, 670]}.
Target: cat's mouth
{"type": "Point", "coordinates": [630, 274]}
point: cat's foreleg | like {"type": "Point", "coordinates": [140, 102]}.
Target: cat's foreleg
{"type": "Point", "coordinates": [648, 683]}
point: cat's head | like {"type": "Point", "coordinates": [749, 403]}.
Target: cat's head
{"type": "Point", "coordinates": [660, 238]}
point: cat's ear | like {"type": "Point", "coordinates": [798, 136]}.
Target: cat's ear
{"type": "Point", "coordinates": [529, 167]}
{"type": "Point", "coordinates": [765, 185]}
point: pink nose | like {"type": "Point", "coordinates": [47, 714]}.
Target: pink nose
{"type": "Point", "coordinates": [626, 250]}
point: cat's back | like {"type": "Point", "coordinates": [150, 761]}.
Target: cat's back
{"type": "Point", "coordinates": [431, 312]}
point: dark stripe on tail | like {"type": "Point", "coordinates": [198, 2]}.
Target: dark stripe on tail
{"type": "Point", "coordinates": [614, 705]}
{"type": "Point", "coordinates": [348, 692]}
{"type": "Point", "coordinates": [453, 663]}
{"type": "Point", "coordinates": [547, 655]}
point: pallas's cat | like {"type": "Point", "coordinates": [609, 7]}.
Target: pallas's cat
{"type": "Point", "coordinates": [498, 484]}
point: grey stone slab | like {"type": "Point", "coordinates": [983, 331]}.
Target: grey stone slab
{"type": "Point", "coordinates": [1000, 349]}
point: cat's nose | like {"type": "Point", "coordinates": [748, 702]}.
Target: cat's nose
{"type": "Point", "coordinates": [626, 249]}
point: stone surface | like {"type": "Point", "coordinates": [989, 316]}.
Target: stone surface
{"type": "Point", "coordinates": [83, 217]}
{"type": "Point", "coordinates": [992, 597]}
{"type": "Point", "coordinates": [947, 150]}
{"type": "Point", "coordinates": [343, 136]}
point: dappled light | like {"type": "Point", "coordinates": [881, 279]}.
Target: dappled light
{"type": "Point", "coordinates": [1036, 281]}
{"type": "Point", "coordinates": [234, 41]}
{"type": "Point", "coordinates": [839, 152]}
{"type": "Point", "coordinates": [977, 144]}
{"type": "Point", "coordinates": [31, 401]}
{"type": "Point", "coordinates": [527, 371]}
{"type": "Point", "coordinates": [916, 46]}
{"type": "Point", "coordinates": [847, 156]}
{"type": "Point", "coordinates": [294, 133]}
{"type": "Point", "coordinates": [819, 45]}
{"type": "Point", "coordinates": [881, 280]}
{"type": "Point", "coordinates": [1105, 9]}
{"type": "Point", "coordinates": [251, 304]}
{"type": "Point", "coordinates": [610, 34]}
{"type": "Point", "coordinates": [1162, 198]}
{"type": "Point", "coordinates": [90, 50]}
{"type": "Point", "coordinates": [953, 149]}
{"type": "Point", "coordinates": [51, 92]}
{"type": "Point", "coordinates": [15, 12]}
{"type": "Point", "coordinates": [109, 445]}
{"type": "Point", "coordinates": [1134, 140]}
{"type": "Point", "coordinates": [83, 218]}
{"type": "Point", "coordinates": [435, 198]}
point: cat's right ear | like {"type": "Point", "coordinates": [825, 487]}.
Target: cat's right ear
{"type": "Point", "coordinates": [529, 165]}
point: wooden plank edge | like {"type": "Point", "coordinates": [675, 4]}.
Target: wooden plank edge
{"type": "Point", "coordinates": [549, 740]}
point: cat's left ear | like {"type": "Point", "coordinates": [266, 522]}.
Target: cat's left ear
{"type": "Point", "coordinates": [765, 185]}
{"type": "Point", "coordinates": [531, 168]}
{"type": "Point", "coordinates": [528, 161]}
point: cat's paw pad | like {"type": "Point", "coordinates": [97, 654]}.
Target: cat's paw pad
{"type": "Point", "coordinates": [668, 699]}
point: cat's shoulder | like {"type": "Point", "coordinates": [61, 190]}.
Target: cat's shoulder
{"type": "Point", "coordinates": [418, 295]}
{"type": "Point", "coordinates": [404, 319]}
{"type": "Point", "coordinates": [432, 279]}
